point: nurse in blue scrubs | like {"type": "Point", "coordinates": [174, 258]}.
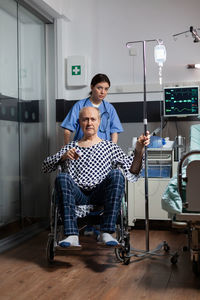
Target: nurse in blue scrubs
{"type": "Point", "coordinates": [110, 124]}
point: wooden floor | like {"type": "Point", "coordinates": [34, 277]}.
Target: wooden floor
{"type": "Point", "coordinates": [94, 274]}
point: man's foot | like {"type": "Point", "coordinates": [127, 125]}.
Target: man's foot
{"type": "Point", "coordinates": [72, 241]}
{"type": "Point", "coordinates": [108, 240]}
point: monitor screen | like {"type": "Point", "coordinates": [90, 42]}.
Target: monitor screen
{"type": "Point", "coordinates": [181, 101]}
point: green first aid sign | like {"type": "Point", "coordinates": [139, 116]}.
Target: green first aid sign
{"type": "Point", "coordinates": [76, 70]}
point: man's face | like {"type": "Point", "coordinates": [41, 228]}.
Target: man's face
{"type": "Point", "coordinates": [99, 91]}
{"type": "Point", "coordinates": [89, 121]}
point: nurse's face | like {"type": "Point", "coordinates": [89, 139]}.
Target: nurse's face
{"type": "Point", "coordinates": [99, 91]}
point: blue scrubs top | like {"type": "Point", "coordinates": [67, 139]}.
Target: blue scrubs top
{"type": "Point", "coordinates": [110, 122]}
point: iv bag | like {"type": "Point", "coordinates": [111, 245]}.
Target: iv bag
{"type": "Point", "coordinates": [160, 54]}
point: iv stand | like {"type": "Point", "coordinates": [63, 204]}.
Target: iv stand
{"type": "Point", "coordinates": [146, 153]}
{"type": "Point", "coordinates": [163, 245]}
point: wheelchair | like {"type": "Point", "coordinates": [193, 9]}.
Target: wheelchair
{"type": "Point", "coordinates": [93, 218]}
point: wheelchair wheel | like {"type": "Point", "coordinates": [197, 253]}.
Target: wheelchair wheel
{"type": "Point", "coordinates": [119, 254]}
{"type": "Point", "coordinates": [50, 251]}
{"type": "Point", "coordinates": [122, 253]}
{"type": "Point", "coordinates": [166, 247]}
{"type": "Point", "coordinates": [127, 260]}
{"type": "Point", "coordinates": [174, 258]}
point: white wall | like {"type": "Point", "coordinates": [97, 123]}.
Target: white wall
{"type": "Point", "coordinates": [100, 30]}
{"type": "Point", "coordinates": [53, 8]}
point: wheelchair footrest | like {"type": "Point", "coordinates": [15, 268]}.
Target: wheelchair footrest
{"type": "Point", "coordinates": [77, 248]}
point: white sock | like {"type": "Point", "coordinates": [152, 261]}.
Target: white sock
{"type": "Point", "coordinates": [107, 239]}
{"type": "Point", "coordinates": [71, 240]}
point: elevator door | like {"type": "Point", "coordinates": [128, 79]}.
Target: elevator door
{"type": "Point", "coordinates": [23, 146]}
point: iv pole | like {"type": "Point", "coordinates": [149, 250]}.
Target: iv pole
{"type": "Point", "coordinates": [163, 244]}
{"type": "Point", "coordinates": [146, 154]}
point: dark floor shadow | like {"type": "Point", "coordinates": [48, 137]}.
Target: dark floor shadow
{"type": "Point", "coordinates": [34, 251]}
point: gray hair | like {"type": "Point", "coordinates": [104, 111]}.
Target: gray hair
{"type": "Point", "coordinates": [96, 108]}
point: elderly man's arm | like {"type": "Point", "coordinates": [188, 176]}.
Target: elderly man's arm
{"type": "Point", "coordinates": [51, 163]}
{"type": "Point", "coordinates": [142, 141]}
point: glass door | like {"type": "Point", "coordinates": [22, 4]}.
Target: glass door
{"type": "Point", "coordinates": [32, 104]}
{"type": "Point", "coordinates": [23, 146]}
{"type": "Point", "coordinates": [9, 131]}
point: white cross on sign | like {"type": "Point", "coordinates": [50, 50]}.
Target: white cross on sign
{"type": "Point", "coordinates": [76, 70]}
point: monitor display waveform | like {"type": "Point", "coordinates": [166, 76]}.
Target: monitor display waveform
{"type": "Point", "coordinates": [181, 101]}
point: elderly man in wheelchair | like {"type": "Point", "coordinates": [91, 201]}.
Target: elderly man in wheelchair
{"type": "Point", "coordinates": [92, 172]}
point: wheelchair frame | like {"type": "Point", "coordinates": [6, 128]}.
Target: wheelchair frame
{"type": "Point", "coordinates": [56, 232]}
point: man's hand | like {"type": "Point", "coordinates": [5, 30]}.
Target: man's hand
{"type": "Point", "coordinates": [142, 141]}
{"type": "Point", "coordinates": [70, 154]}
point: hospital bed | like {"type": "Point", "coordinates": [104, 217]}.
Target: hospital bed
{"type": "Point", "coordinates": [190, 195]}
{"type": "Point", "coordinates": [182, 197]}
